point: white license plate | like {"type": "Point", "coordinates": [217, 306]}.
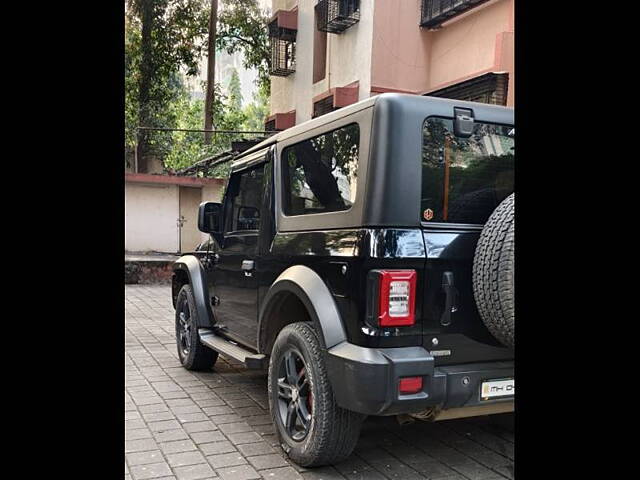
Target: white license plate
{"type": "Point", "coordinates": [498, 388]}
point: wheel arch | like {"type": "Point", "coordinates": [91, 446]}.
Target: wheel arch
{"type": "Point", "coordinates": [188, 270]}
{"type": "Point", "coordinates": [299, 294]}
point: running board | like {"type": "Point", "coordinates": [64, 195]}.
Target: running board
{"type": "Point", "coordinates": [224, 346]}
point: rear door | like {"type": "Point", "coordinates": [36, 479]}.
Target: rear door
{"type": "Point", "coordinates": [463, 181]}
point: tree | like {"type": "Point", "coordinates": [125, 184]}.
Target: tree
{"type": "Point", "coordinates": [211, 70]}
{"type": "Point", "coordinates": [171, 37]}
{"type": "Point", "coordinates": [257, 111]}
{"type": "Point", "coordinates": [243, 27]}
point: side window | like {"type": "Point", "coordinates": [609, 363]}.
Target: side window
{"type": "Point", "coordinates": [244, 200]}
{"type": "Point", "coordinates": [319, 174]}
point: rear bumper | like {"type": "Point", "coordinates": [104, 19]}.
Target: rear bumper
{"type": "Point", "coordinates": [366, 380]}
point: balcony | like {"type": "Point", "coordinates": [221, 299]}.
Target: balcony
{"type": "Point", "coordinates": [335, 16]}
{"type": "Point", "coordinates": [436, 12]}
{"type": "Point", "coordinates": [283, 29]}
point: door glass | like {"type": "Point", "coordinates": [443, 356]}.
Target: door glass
{"type": "Point", "coordinates": [245, 192]}
{"type": "Point", "coordinates": [319, 174]}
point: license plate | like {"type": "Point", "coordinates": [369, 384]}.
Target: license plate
{"type": "Point", "coordinates": [498, 388]}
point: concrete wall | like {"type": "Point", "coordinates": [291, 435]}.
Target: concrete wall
{"type": "Point", "coordinates": [151, 213]}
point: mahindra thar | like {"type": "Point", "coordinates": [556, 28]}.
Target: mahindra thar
{"type": "Point", "coordinates": [366, 259]}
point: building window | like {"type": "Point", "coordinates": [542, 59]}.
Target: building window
{"type": "Point", "coordinates": [323, 106]}
{"type": "Point", "coordinates": [436, 12]}
{"type": "Point", "coordinates": [282, 38]}
{"type": "Point", "coordinates": [319, 174]}
{"type": "Point", "coordinates": [489, 88]}
{"type": "Point", "coordinates": [335, 16]}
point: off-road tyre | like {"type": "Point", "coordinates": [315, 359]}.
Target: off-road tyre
{"type": "Point", "coordinates": [493, 273]}
{"type": "Point", "coordinates": [198, 357]}
{"type": "Point", "coordinates": [334, 431]}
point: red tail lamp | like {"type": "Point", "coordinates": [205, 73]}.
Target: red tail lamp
{"type": "Point", "coordinates": [397, 298]}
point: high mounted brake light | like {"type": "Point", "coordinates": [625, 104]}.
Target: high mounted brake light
{"type": "Point", "coordinates": [396, 298]}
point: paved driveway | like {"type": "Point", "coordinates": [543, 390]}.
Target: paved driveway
{"type": "Point", "coordinates": [186, 425]}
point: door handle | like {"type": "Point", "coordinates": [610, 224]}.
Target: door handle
{"type": "Point", "coordinates": [247, 267]}
{"type": "Point", "coordinates": [451, 298]}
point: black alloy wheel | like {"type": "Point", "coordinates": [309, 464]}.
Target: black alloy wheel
{"type": "Point", "coordinates": [295, 401]}
{"type": "Point", "coordinates": [183, 328]}
{"type": "Point", "coordinates": [192, 353]}
{"type": "Point", "coordinates": [313, 430]}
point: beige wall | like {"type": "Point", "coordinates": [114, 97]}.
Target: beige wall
{"type": "Point", "coordinates": [348, 60]}
{"type": "Point", "coordinates": [151, 213]}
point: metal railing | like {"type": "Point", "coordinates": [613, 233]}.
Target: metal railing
{"type": "Point", "coordinates": [335, 16]}
{"type": "Point", "coordinates": [436, 12]}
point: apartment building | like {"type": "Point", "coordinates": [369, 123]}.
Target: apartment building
{"type": "Point", "coordinates": [327, 54]}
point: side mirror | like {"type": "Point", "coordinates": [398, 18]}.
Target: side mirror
{"type": "Point", "coordinates": [210, 217]}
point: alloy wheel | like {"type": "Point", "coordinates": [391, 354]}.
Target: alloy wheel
{"type": "Point", "coordinates": [294, 395]}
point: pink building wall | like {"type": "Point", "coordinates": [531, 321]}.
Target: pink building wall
{"type": "Point", "coordinates": [418, 60]}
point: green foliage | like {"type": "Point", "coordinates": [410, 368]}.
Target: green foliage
{"type": "Point", "coordinates": [175, 40]}
{"type": "Point", "coordinates": [242, 26]}
{"type": "Point", "coordinates": [257, 111]}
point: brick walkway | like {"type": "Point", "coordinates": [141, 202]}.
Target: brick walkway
{"type": "Point", "coordinates": [186, 425]}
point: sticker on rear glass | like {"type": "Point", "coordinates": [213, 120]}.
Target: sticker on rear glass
{"type": "Point", "coordinates": [427, 214]}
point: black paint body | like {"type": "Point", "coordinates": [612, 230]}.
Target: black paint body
{"type": "Point", "coordinates": [386, 233]}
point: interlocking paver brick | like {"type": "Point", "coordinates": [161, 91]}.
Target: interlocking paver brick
{"type": "Point", "coordinates": [226, 460]}
{"type": "Point", "coordinates": [215, 448]}
{"type": "Point", "coordinates": [200, 422]}
{"type": "Point", "coordinates": [137, 434]}
{"type": "Point", "coordinates": [193, 427]}
{"type": "Point", "coordinates": [271, 460]}
{"type": "Point", "coordinates": [142, 458]}
{"type": "Point", "coordinates": [170, 435]}
{"type": "Point", "coordinates": [177, 446]}
{"type": "Point", "coordinates": [185, 458]}
{"type": "Point", "coordinates": [259, 448]}
{"type": "Point", "coordinates": [153, 470]}
{"type": "Point", "coordinates": [140, 445]}
{"type": "Point", "coordinates": [237, 427]}
{"type": "Point", "coordinates": [191, 417]}
{"type": "Point", "coordinates": [201, 471]}
{"type": "Point", "coordinates": [243, 472]}
{"type": "Point", "coordinates": [207, 437]}
{"type": "Point", "coordinates": [244, 437]}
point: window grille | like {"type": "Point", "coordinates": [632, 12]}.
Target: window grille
{"type": "Point", "coordinates": [283, 49]}
{"type": "Point", "coordinates": [489, 88]}
{"type": "Point", "coordinates": [323, 106]}
{"type": "Point", "coordinates": [335, 16]}
{"type": "Point", "coordinates": [436, 12]}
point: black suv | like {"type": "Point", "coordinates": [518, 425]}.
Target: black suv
{"type": "Point", "coordinates": [365, 258]}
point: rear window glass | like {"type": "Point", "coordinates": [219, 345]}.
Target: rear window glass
{"type": "Point", "coordinates": [464, 179]}
{"type": "Point", "coordinates": [319, 174]}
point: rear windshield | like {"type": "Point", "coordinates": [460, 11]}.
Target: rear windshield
{"type": "Point", "coordinates": [464, 179]}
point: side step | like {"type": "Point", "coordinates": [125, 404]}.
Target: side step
{"type": "Point", "coordinates": [224, 346]}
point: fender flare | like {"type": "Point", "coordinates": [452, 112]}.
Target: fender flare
{"type": "Point", "coordinates": [311, 290]}
{"type": "Point", "coordinates": [198, 281]}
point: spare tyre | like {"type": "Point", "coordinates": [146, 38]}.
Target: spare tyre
{"type": "Point", "coordinates": [493, 273]}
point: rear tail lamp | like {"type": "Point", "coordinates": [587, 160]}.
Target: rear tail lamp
{"type": "Point", "coordinates": [396, 298]}
{"type": "Point", "coordinates": [409, 385]}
